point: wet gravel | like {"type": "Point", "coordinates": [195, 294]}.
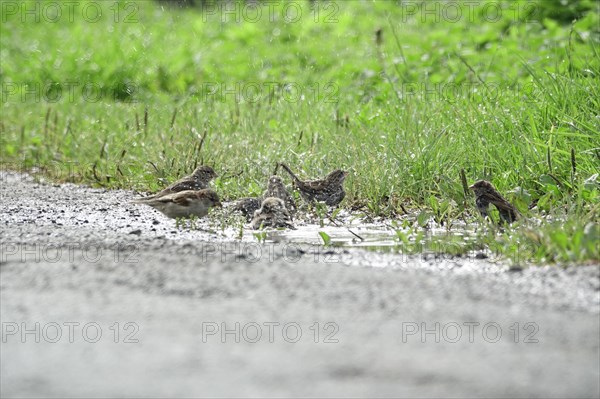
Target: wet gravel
{"type": "Point", "coordinates": [195, 301]}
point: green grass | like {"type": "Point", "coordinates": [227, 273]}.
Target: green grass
{"type": "Point", "coordinates": [513, 99]}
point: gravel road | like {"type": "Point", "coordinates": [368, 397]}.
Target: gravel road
{"type": "Point", "coordinates": [100, 298]}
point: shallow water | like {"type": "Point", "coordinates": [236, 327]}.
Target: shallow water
{"type": "Point", "coordinates": [349, 231]}
{"type": "Point", "coordinates": [106, 211]}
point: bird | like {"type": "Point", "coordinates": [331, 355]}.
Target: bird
{"type": "Point", "coordinates": [272, 213]}
{"type": "Point", "coordinates": [184, 204]}
{"type": "Point", "coordinates": [198, 180]}
{"type": "Point", "coordinates": [329, 190]}
{"type": "Point", "coordinates": [276, 189]}
{"type": "Point", "coordinates": [248, 206]}
{"type": "Point", "coordinates": [486, 194]}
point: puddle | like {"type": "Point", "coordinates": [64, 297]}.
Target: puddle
{"type": "Point", "coordinates": [349, 231]}
{"type": "Point", "coordinates": [102, 212]}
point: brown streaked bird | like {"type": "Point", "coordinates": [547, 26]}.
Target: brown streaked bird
{"type": "Point", "coordinates": [198, 180]}
{"type": "Point", "coordinates": [329, 190]}
{"type": "Point", "coordinates": [272, 213]}
{"type": "Point", "coordinates": [275, 189]}
{"type": "Point", "coordinates": [184, 204]}
{"type": "Point", "coordinates": [248, 206]}
{"type": "Point", "coordinates": [486, 194]}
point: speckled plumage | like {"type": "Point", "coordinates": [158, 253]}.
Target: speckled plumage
{"type": "Point", "coordinates": [329, 190]}
{"type": "Point", "coordinates": [486, 194]}
{"type": "Point", "coordinates": [198, 180]}
{"type": "Point", "coordinates": [276, 188]}
{"type": "Point", "coordinates": [247, 206]}
{"type": "Point", "coordinates": [272, 213]}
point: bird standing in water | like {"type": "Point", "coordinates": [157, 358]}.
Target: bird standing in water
{"type": "Point", "coordinates": [275, 189]}
{"type": "Point", "coordinates": [329, 190]}
{"type": "Point", "coordinates": [486, 194]}
{"type": "Point", "coordinates": [272, 213]}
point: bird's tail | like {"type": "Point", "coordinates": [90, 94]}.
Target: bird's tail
{"type": "Point", "coordinates": [143, 200]}
{"type": "Point", "coordinates": [284, 166]}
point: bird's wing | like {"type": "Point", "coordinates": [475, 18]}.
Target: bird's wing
{"type": "Point", "coordinates": [493, 196]}
{"type": "Point", "coordinates": [246, 203]}
{"type": "Point", "coordinates": [286, 221]}
{"type": "Point", "coordinates": [282, 214]}
{"type": "Point", "coordinates": [182, 185]}
{"type": "Point", "coordinates": [312, 186]}
{"type": "Point", "coordinates": [501, 203]}
{"type": "Point", "coordinates": [180, 198]}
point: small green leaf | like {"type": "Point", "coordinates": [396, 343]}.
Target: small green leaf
{"type": "Point", "coordinates": [423, 218]}
{"type": "Point", "coordinates": [325, 237]}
